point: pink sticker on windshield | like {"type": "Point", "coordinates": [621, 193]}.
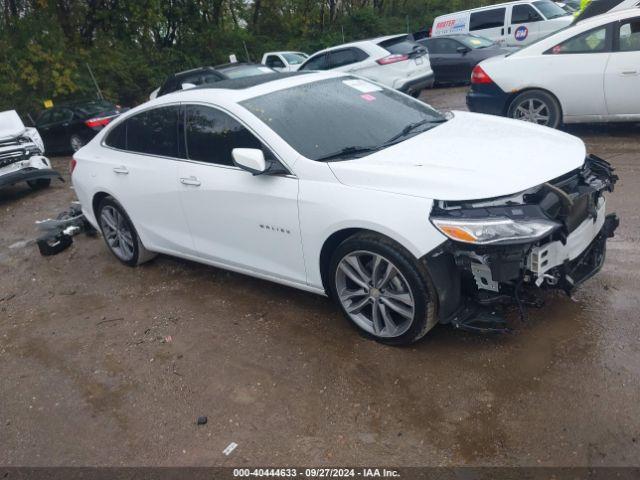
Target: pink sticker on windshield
{"type": "Point", "coordinates": [368, 97]}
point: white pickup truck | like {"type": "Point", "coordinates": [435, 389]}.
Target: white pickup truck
{"type": "Point", "coordinates": [284, 61]}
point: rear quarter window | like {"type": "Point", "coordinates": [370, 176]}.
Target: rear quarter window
{"type": "Point", "coordinates": [153, 132]}
{"type": "Point", "coordinates": [399, 46]}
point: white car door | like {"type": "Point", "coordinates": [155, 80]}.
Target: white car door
{"type": "Point", "coordinates": [141, 170]}
{"type": "Point", "coordinates": [524, 25]}
{"type": "Point", "coordinates": [238, 219]}
{"type": "Point", "coordinates": [576, 72]}
{"type": "Point", "coordinates": [622, 76]}
{"type": "Point", "coordinates": [489, 23]}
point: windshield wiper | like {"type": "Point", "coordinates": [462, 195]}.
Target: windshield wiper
{"type": "Point", "coordinates": [347, 152]}
{"type": "Point", "coordinates": [410, 128]}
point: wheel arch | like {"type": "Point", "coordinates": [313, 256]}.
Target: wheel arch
{"type": "Point", "coordinates": [336, 238]}
{"type": "Point", "coordinates": [513, 96]}
{"type": "Point", "coordinates": [95, 202]}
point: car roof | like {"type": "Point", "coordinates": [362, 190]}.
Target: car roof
{"type": "Point", "coordinates": [248, 82]}
{"type": "Point", "coordinates": [485, 7]}
{"type": "Point", "coordinates": [362, 43]}
{"type": "Point", "coordinates": [238, 64]}
{"type": "Point", "coordinates": [232, 91]}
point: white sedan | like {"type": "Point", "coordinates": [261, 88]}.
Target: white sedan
{"type": "Point", "coordinates": [587, 73]}
{"type": "Point", "coordinates": [359, 192]}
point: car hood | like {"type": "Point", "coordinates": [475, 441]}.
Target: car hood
{"type": "Point", "coordinates": [10, 125]}
{"type": "Point", "coordinates": [470, 157]}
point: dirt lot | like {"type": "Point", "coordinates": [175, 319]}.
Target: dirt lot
{"type": "Point", "coordinates": [101, 364]}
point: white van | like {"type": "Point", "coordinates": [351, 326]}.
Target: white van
{"type": "Point", "coordinates": [512, 24]}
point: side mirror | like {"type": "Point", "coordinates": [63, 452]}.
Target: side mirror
{"type": "Point", "coordinates": [187, 86]}
{"type": "Point", "coordinates": [463, 50]}
{"type": "Point", "coordinates": [250, 159]}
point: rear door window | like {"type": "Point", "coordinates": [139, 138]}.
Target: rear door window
{"type": "Point", "coordinates": [629, 36]}
{"type": "Point", "coordinates": [153, 132]}
{"type": "Point", "coordinates": [117, 137]}
{"type": "Point", "coordinates": [211, 135]}
{"type": "Point", "coordinates": [486, 19]}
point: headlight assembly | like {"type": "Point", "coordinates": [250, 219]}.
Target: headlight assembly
{"type": "Point", "coordinates": [492, 231]}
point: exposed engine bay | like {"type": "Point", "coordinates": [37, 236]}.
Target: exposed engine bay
{"type": "Point", "coordinates": [550, 236]}
{"type": "Point", "coordinates": [22, 154]}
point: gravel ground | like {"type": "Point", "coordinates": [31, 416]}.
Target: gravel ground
{"type": "Point", "coordinates": [101, 364]}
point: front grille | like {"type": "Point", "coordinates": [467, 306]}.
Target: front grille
{"type": "Point", "coordinates": [13, 156]}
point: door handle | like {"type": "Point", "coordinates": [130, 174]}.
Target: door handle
{"type": "Point", "coordinates": [509, 31]}
{"type": "Point", "coordinates": [628, 73]}
{"type": "Point", "coordinates": [191, 181]}
{"type": "Point", "coordinates": [122, 170]}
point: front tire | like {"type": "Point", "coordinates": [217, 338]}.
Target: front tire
{"type": "Point", "coordinates": [382, 289]}
{"type": "Point", "coordinates": [536, 106]}
{"type": "Point", "coordinates": [39, 184]}
{"type": "Point", "coordinates": [120, 235]}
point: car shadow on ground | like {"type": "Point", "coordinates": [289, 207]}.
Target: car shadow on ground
{"type": "Point", "coordinates": [605, 130]}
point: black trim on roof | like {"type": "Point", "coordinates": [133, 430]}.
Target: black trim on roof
{"type": "Point", "coordinates": [248, 82]}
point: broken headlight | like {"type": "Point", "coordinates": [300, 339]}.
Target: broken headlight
{"type": "Point", "coordinates": [492, 231]}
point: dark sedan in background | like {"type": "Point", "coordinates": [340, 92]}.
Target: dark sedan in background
{"type": "Point", "coordinates": [454, 57]}
{"type": "Point", "coordinates": [67, 128]}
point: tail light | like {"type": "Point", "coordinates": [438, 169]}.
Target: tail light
{"type": "Point", "coordinates": [392, 59]}
{"type": "Point", "coordinates": [72, 165]}
{"type": "Point", "coordinates": [98, 122]}
{"type": "Point", "coordinates": [479, 76]}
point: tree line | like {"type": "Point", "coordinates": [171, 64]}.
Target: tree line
{"type": "Point", "coordinates": [131, 46]}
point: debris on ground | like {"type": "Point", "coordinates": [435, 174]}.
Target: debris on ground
{"type": "Point", "coordinates": [201, 420]}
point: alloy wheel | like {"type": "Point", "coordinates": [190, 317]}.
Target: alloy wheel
{"type": "Point", "coordinates": [76, 143]}
{"type": "Point", "coordinates": [532, 110]}
{"type": "Point", "coordinates": [117, 233]}
{"type": "Point", "coordinates": [375, 294]}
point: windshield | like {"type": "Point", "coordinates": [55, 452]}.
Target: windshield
{"type": "Point", "coordinates": [474, 41]}
{"type": "Point", "coordinates": [294, 58]}
{"type": "Point", "coordinates": [342, 118]}
{"type": "Point", "coordinates": [245, 71]}
{"type": "Point", "coordinates": [550, 9]}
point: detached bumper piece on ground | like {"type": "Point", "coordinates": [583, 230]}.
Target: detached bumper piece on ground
{"type": "Point", "coordinates": [490, 276]}
{"type": "Point", "coordinates": [58, 233]}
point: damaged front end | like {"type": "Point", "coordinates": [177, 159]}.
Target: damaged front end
{"type": "Point", "coordinates": [22, 153]}
{"type": "Point", "coordinates": [501, 250]}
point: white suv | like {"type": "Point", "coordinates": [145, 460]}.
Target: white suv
{"type": "Point", "coordinates": [395, 61]}
{"type": "Point", "coordinates": [359, 192]}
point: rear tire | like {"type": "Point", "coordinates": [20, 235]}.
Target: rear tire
{"type": "Point", "coordinates": [382, 289]}
{"type": "Point", "coordinates": [120, 235]}
{"type": "Point", "coordinates": [536, 106]}
{"type": "Point", "coordinates": [39, 184]}
{"type": "Point", "coordinates": [76, 143]}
